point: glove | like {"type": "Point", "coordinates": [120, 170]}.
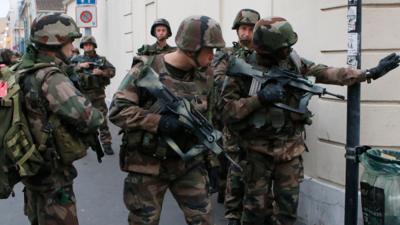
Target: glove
{"type": "Point", "coordinates": [271, 93]}
{"type": "Point", "coordinates": [170, 125]}
{"type": "Point", "coordinates": [213, 175]}
{"type": "Point", "coordinates": [385, 65]}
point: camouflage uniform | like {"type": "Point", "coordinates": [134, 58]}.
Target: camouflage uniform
{"type": "Point", "coordinates": [155, 48]}
{"type": "Point", "coordinates": [231, 180]}
{"type": "Point", "coordinates": [93, 86]}
{"type": "Point", "coordinates": [49, 197]}
{"type": "Point", "coordinates": [271, 138]}
{"type": "Point", "coordinates": [142, 151]}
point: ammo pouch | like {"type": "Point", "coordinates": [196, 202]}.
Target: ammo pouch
{"type": "Point", "coordinates": [94, 82]}
{"type": "Point", "coordinates": [138, 147]}
{"type": "Point", "coordinates": [146, 143]}
{"type": "Point", "coordinates": [70, 147]}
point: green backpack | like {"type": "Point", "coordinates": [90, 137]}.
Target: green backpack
{"type": "Point", "coordinates": [19, 155]}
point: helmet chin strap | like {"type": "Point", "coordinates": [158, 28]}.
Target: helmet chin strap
{"type": "Point", "coordinates": [62, 56]}
{"type": "Point", "coordinates": [245, 43]}
{"type": "Point", "coordinates": [90, 52]}
{"type": "Point", "coordinates": [194, 56]}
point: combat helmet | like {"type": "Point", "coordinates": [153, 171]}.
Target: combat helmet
{"type": "Point", "coordinates": [196, 32]}
{"type": "Point", "coordinates": [245, 17]}
{"type": "Point", "coordinates": [160, 22]}
{"type": "Point", "coordinates": [53, 30]}
{"type": "Point", "coordinates": [5, 56]}
{"type": "Point", "coordinates": [271, 34]}
{"type": "Point", "coordinates": [88, 39]}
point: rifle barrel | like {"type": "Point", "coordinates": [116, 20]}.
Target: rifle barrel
{"type": "Point", "coordinates": [335, 95]}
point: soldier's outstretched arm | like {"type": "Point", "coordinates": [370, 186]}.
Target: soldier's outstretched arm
{"type": "Point", "coordinates": [348, 76]}
{"type": "Point", "coordinates": [125, 111]}
{"type": "Point", "coordinates": [68, 103]}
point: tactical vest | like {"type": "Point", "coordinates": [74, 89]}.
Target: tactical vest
{"type": "Point", "coordinates": [271, 122]}
{"type": "Point", "coordinates": [87, 80]}
{"type": "Point", "coordinates": [191, 86]}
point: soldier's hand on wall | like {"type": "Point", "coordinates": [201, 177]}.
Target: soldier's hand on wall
{"type": "Point", "coordinates": [98, 72]}
{"type": "Point", "coordinates": [385, 65]}
{"type": "Point", "coordinates": [271, 93]}
{"type": "Point", "coordinates": [84, 65]}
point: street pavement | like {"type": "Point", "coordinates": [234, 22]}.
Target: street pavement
{"type": "Point", "coordinates": [98, 190]}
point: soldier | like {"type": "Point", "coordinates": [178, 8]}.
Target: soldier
{"type": "Point", "coordinates": [233, 187]}
{"type": "Point", "coordinates": [153, 166]}
{"type": "Point", "coordinates": [53, 105]}
{"type": "Point", "coordinates": [270, 137]}
{"type": "Point", "coordinates": [7, 57]}
{"type": "Point", "coordinates": [161, 31]}
{"type": "Point", "coordinates": [95, 72]}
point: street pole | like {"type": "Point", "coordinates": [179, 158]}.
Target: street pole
{"type": "Point", "coordinates": [88, 31]}
{"type": "Point", "coordinates": [353, 113]}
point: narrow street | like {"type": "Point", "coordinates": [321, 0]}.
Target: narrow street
{"type": "Point", "coordinates": [98, 190]}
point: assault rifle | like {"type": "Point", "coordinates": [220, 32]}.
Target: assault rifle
{"type": "Point", "coordinates": [238, 67]}
{"type": "Point", "coordinates": [92, 140]}
{"type": "Point", "coordinates": [98, 63]}
{"type": "Point", "coordinates": [198, 125]}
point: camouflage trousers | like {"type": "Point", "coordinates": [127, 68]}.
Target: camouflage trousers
{"type": "Point", "coordinates": [97, 98]}
{"type": "Point", "coordinates": [234, 195]}
{"type": "Point", "coordinates": [144, 195]}
{"type": "Point", "coordinates": [223, 174]}
{"type": "Point", "coordinates": [234, 192]}
{"type": "Point", "coordinates": [260, 173]}
{"type": "Point", "coordinates": [56, 207]}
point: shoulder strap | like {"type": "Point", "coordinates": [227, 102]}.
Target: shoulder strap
{"type": "Point", "coordinates": [295, 58]}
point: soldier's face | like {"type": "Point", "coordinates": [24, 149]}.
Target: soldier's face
{"type": "Point", "coordinates": [161, 32]}
{"type": "Point", "coordinates": [67, 49]}
{"type": "Point", "coordinates": [245, 32]}
{"type": "Point", "coordinates": [205, 57]}
{"type": "Point", "coordinates": [87, 47]}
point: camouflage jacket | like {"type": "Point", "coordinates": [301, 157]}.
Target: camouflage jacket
{"type": "Point", "coordinates": [89, 81]}
{"type": "Point", "coordinates": [135, 111]}
{"type": "Point", "coordinates": [154, 49]}
{"type": "Point", "coordinates": [220, 63]}
{"type": "Point", "coordinates": [270, 130]}
{"type": "Point", "coordinates": [47, 92]}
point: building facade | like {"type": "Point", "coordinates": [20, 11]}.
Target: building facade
{"type": "Point", "coordinates": [22, 13]}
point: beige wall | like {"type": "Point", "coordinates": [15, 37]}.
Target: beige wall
{"type": "Point", "coordinates": [321, 25]}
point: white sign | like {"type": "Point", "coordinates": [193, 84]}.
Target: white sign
{"type": "Point", "coordinates": [86, 16]}
{"type": "Point", "coordinates": [86, 2]}
{"type": "Point", "coordinates": [352, 44]}
{"type": "Point", "coordinates": [351, 18]}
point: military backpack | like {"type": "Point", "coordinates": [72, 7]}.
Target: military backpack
{"type": "Point", "coordinates": [20, 155]}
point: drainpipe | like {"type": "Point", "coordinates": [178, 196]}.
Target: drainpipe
{"type": "Point", "coordinates": [353, 113]}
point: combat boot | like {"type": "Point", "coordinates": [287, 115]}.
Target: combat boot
{"type": "Point", "coordinates": [221, 197]}
{"type": "Point", "coordinates": [233, 222]}
{"type": "Point", "coordinates": [108, 149]}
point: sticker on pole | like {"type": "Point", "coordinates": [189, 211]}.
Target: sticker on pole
{"type": "Point", "coordinates": [86, 16]}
